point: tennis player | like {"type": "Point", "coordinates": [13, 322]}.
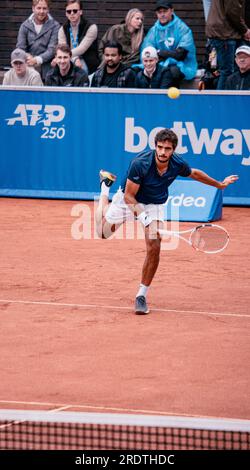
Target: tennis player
{"type": "Point", "coordinates": [142, 195]}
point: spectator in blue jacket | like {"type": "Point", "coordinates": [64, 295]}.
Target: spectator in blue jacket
{"type": "Point", "coordinates": [174, 43]}
{"type": "Point", "coordinates": [37, 36]}
{"type": "Point", "coordinates": [153, 75]}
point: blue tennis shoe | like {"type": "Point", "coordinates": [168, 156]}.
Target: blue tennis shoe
{"type": "Point", "coordinates": [141, 307]}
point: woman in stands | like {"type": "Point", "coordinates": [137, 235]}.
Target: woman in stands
{"type": "Point", "coordinates": [81, 36]}
{"type": "Point", "coordinates": [129, 34]}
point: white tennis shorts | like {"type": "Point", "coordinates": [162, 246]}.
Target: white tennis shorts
{"type": "Point", "coordinates": [118, 211]}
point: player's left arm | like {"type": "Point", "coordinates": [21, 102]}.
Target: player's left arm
{"type": "Point", "coordinates": [203, 177]}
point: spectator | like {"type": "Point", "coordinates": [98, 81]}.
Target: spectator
{"type": "Point", "coordinates": [210, 77]}
{"type": "Point", "coordinates": [240, 80]}
{"type": "Point", "coordinates": [38, 36]}
{"type": "Point", "coordinates": [65, 73]}
{"type": "Point", "coordinates": [113, 73]}
{"type": "Point", "coordinates": [129, 34]}
{"type": "Point", "coordinates": [154, 75]}
{"type": "Point", "coordinates": [225, 28]}
{"type": "Point", "coordinates": [174, 43]}
{"type": "Point", "coordinates": [20, 74]}
{"type": "Point", "coordinates": [81, 36]}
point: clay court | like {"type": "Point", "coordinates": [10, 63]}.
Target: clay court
{"type": "Point", "coordinates": [70, 339]}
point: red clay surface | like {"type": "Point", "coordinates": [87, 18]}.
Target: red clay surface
{"type": "Point", "coordinates": [80, 344]}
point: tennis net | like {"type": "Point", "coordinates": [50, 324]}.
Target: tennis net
{"type": "Point", "coordinates": [63, 430]}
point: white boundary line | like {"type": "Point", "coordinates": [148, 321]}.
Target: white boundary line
{"type": "Point", "coordinates": [57, 407]}
{"type": "Point", "coordinates": [115, 307]}
{"type": "Point", "coordinates": [4, 426]}
{"type": "Point", "coordinates": [60, 407]}
{"type": "Point", "coordinates": [226, 424]}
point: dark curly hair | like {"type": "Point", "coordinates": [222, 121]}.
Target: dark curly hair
{"type": "Point", "coordinates": [166, 134]}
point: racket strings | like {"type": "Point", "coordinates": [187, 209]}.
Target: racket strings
{"type": "Point", "coordinates": [209, 239]}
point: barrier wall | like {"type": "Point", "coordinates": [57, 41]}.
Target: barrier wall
{"type": "Point", "coordinates": [54, 141]}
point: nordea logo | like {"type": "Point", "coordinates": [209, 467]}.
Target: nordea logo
{"type": "Point", "coordinates": [186, 201]}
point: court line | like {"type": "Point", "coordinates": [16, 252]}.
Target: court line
{"type": "Point", "coordinates": [115, 307]}
{"type": "Point", "coordinates": [54, 410]}
{"type": "Point", "coordinates": [58, 407]}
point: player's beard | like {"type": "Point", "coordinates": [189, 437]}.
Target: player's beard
{"type": "Point", "coordinates": [162, 159]}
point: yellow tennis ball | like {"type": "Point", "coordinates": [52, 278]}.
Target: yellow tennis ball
{"type": "Point", "coordinates": [173, 93]}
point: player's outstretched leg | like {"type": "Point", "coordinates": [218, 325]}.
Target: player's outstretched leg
{"type": "Point", "coordinates": [106, 181]}
{"type": "Point", "coordinates": [107, 178]}
{"type": "Point", "coordinates": [153, 246]}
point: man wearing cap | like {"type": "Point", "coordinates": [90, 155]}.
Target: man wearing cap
{"type": "Point", "coordinates": [225, 28]}
{"type": "Point", "coordinates": [174, 43]}
{"type": "Point", "coordinates": [240, 80]}
{"type": "Point", "coordinates": [153, 75]}
{"type": "Point", "coordinates": [21, 74]}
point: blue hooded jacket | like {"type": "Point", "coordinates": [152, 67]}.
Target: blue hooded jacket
{"type": "Point", "coordinates": [170, 36]}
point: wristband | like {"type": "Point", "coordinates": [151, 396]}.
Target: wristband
{"type": "Point", "coordinates": [144, 219]}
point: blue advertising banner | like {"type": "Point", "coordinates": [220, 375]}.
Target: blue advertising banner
{"type": "Point", "coordinates": [55, 141]}
{"type": "Point", "coordinates": [192, 201]}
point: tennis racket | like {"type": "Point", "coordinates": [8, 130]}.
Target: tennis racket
{"type": "Point", "coordinates": [208, 238]}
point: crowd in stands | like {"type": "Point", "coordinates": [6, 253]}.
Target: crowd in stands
{"type": "Point", "coordinates": [127, 56]}
{"type": "Point", "coordinates": [227, 30]}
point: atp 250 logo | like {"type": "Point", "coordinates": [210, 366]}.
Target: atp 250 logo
{"type": "Point", "coordinates": [47, 116]}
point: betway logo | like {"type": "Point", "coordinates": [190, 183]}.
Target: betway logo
{"type": "Point", "coordinates": [186, 201]}
{"type": "Point", "coordinates": [227, 141]}
{"type": "Point", "coordinates": [33, 114]}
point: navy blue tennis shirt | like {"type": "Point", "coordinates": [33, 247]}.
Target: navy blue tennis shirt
{"type": "Point", "coordinates": [153, 187]}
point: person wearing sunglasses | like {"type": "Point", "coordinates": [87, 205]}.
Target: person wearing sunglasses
{"type": "Point", "coordinates": [81, 37]}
